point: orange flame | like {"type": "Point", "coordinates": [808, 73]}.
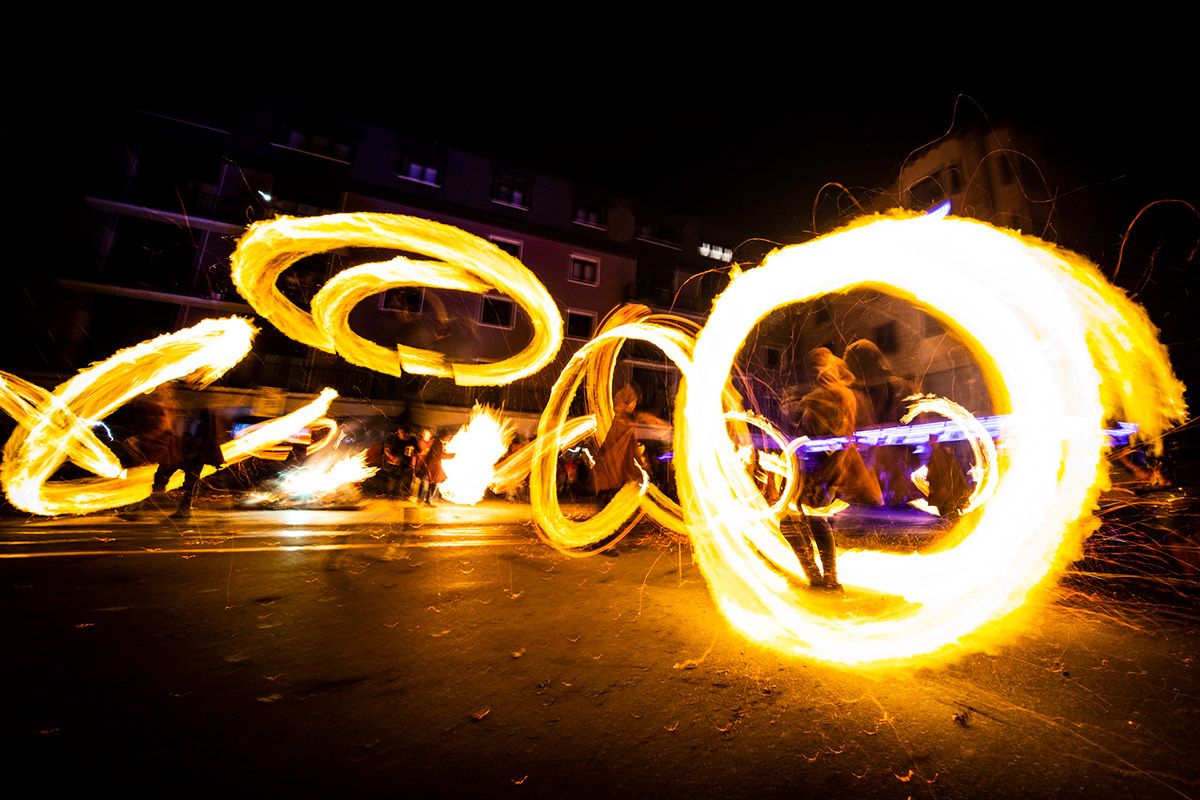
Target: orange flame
{"type": "Point", "coordinates": [476, 448]}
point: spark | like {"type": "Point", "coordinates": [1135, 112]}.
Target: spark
{"type": "Point", "coordinates": [475, 449]}
{"type": "Point", "coordinates": [321, 480]}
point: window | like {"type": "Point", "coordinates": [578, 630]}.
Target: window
{"type": "Point", "coordinates": [716, 252]}
{"type": "Point", "coordinates": [424, 170]}
{"type": "Point", "coordinates": [772, 357]}
{"type": "Point", "coordinates": [406, 298]}
{"type": "Point", "coordinates": [926, 192]}
{"type": "Point", "coordinates": [514, 191]}
{"type": "Point", "coordinates": [319, 138]}
{"type": "Point", "coordinates": [497, 312]}
{"type": "Point", "coordinates": [658, 231]}
{"type": "Point", "coordinates": [584, 270]}
{"type": "Point", "coordinates": [591, 215]}
{"type": "Point", "coordinates": [510, 246]}
{"type": "Point", "coordinates": [580, 324]}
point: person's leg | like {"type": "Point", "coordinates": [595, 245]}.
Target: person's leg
{"type": "Point", "coordinates": [799, 535]}
{"type": "Point", "coordinates": [823, 535]}
{"type": "Point", "coordinates": [191, 482]}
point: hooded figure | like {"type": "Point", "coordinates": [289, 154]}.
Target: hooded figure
{"type": "Point", "coordinates": [828, 410]}
{"type": "Point", "coordinates": [618, 458]}
{"type": "Point", "coordinates": [886, 391]}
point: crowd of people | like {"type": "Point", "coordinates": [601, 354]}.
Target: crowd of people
{"type": "Point", "coordinates": [842, 395]}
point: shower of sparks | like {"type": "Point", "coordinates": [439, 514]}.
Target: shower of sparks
{"type": "Point", "coordinates": [460, 261]}
{"type": "Point", "coordinates": [327, 478]}
{"type": "Point", "coordinates": [472, 454]}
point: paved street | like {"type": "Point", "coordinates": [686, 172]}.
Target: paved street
{"type": "Point", "coordinates": [278, 652]}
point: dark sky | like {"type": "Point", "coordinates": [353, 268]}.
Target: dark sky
{"type": "Point", "coordinates": [757, 156]}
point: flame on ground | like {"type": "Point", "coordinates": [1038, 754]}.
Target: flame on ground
{"type": "Point", "coordinates": [318, 480]}
{"type": "Point", "coordinates": [476, 448]}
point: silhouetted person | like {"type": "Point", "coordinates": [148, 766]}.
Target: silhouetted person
{"type": "Point", "coordinates": [886, 391]}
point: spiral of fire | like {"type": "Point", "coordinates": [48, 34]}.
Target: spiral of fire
{"type": "Point", "coordinates": [456, 260]}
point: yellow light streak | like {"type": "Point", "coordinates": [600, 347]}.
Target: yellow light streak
{"type": "Point", "coordinates": [263, 435]}
{"type": "Point", "coordinates": [476, 448]}
{"type": "Point", "coordinates": [460, 261]}
{"type": "Point", "coordinates": [45, 438]}
{"type": "Point", "coordinates": [1052, 339]}
{"type": "Point", "coordinates": [983, 451]}
{"type": "Point", "coordinates": [571, 536]}
{"type": "Point", "coordinates": [50, 429]}
{"type": "Point", "coordinates": [317, 480]}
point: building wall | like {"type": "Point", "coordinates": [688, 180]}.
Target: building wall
{"type": "Point", "coordinates": [164, 197]}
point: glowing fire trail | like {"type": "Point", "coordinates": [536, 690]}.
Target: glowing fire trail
{"type": "Point", "coordinates": [43, 441]}
{"type": "Point", "coordinates": [476, 448]}
{"type": "Point", "coordinates": [319, 480]}
{"type": "Point", "coordinates": [1053, 340]}
{"type": "Point", "coordinates": [983, 449]}
{"type": "Point", "coordinates": [461, 261]}
{"type": "Point", "coordinates": [51, 428]}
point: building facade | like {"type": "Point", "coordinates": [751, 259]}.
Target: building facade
{"type": "Point", "coordinates": [157, 199]}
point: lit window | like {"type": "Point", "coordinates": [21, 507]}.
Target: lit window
{"type": "Point", "coordinates": [497, 312]}
{"type": "Point", "coordinates": [591, 215]}
{"type": "Point", "coordinates": [716, 252]}
{"type": "Point", "coordinates": [510, 246]}
{"type": "Point", "coordinates": [512, 190]}
{"type": "Point", "coordinates": [420, 170]}
{"type": "Point", "coordinates": [580, 324]}
{"type": "Point", "coordinates": [584, 270]}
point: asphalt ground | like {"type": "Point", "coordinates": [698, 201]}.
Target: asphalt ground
{"type": "Point", "coordinates": [291, 653]}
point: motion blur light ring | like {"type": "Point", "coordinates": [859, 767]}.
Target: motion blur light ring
{"type": "Point", "coordinates": [459, 261]}
{"type": "Point", "coordinates": [51, 428]}
{"type": "Point", "coordinates": [1052, 338]}
{"type": "Point", "coordinates": [568, 535]}
{"type": "Point", "coordinates": [46, 437]}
